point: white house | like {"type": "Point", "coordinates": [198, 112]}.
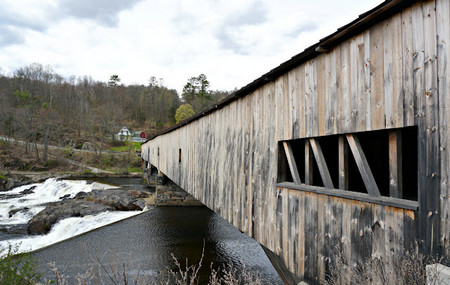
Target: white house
{"type": "Point", "coordinates": [124, 134]}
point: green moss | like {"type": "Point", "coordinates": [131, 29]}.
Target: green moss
{"type": "Point", "coordinates": [127, 147]}
{"type": "Point", "coordinates": [2, 177]}
{"type": "Point", "coordinates": [134, 169]}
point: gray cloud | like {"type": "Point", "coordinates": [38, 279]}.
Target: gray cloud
{"type": "Point", "coordinates": [104, 12]}
{"type": "Point", "coordinates": [228, 32]}
{"type": "Point", "coordinates": [10, 36]}
{"type": "Point", "coordinates": [305, 27]}
{"type": "Point", "coordinates": [229, 42]}
{"type": "Point", "coordinates": [21, 22]}
{"type": "Point", "coordinates": [14, 24]}
{"type": "Point", "coordinates": [254, 15]}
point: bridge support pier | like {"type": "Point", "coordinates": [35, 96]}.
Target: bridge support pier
{"type": "Point", "coordinates": [166, 192]}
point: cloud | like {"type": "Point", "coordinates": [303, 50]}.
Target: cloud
{"type": "Point", "coordinates": [253, 15]}
{"type": "Point", "coordinates": [8, 36]}
{"type": "Point", "coordinates": [21, 17]}
{"type": "Point", "coordinates": [303, 28]}
{"type": "Point", "coordinates": [104, 12]}
{"type": "Point", "coordinates": [234, 33]}
{"type": "Point", "coordinates": [15, 22]}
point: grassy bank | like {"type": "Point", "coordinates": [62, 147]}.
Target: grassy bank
{"type": "Point", "coordinates": [16, 157]}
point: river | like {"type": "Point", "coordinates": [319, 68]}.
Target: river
{"type": "Point", "coordinates": [143, 244]}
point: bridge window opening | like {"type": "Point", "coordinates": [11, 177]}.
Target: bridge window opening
{"type": "Point", "coordinates": [179, 155]}
{"type": "Point", "coordinates": [379, 163]}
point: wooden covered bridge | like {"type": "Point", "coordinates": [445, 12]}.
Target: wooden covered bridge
{"type": "Point", "coordinates": [344, 146]}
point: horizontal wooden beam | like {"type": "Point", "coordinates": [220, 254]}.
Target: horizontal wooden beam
{"type": "Point", "coordinates": [381, 200]}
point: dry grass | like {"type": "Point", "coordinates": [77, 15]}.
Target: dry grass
{"type": "Point", "coordinates": [408, 267]}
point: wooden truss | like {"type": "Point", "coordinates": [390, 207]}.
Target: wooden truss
{"type": "Point", "coordinates": [346, 142]}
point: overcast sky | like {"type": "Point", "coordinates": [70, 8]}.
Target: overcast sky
{"type": "Point", "coordinates": [232, 42]}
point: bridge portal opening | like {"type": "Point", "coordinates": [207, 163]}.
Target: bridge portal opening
{"type": "Point", "coordinates": [380, 163]}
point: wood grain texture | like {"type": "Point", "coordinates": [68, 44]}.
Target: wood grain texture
{"type": "Point", "coordinates": [443, 62]}
{"type": "Point", "coordinates": [394, 74]}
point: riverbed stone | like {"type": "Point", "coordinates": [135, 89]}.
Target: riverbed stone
{"type": "Point", "coordinates": [87, 204]}
{"type": "Point", "coordinates": [54, 212]}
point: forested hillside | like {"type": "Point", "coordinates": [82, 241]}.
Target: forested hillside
{"type": "Point", "coordinates": [39, 106]}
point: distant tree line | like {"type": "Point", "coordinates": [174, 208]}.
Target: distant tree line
{"type": "Point", "coordinates": [38, 105]}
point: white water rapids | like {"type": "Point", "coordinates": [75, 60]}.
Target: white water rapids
{"type": "Point", "coordinates": [22, 207]}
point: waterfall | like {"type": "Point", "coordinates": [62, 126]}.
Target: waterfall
{"type": "Point", "coordinates": [20, 204]}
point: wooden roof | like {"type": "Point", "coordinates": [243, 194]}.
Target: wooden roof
{"type": "Point", "coordinates": [362, 23]}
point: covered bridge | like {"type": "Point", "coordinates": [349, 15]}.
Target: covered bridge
{"type": "Point", "coordinates": [344, 146]}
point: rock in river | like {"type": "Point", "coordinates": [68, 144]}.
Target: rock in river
{"type": "Point", "coordinates": [86, 204]}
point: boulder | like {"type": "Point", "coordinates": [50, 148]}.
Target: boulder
{"type": "Point", "coordinates": [87, 204]}
{"type": "Point", "coordinates": [54, 212]}
{"type": "Point", "coordinates": [89, 146]}
{"type": "Point", "coordinates": [28, 191]}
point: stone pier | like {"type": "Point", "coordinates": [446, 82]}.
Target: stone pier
{"type": "Point", "coordinates": [165, 192]}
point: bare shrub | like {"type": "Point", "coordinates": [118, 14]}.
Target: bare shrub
{"type": "Point", "coordinates": [228, 275]}
{"type": "Point", "coordinates": [407, 267]}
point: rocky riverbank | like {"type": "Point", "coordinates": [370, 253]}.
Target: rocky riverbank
{"type": "Point", "coordinates": [15, 179]}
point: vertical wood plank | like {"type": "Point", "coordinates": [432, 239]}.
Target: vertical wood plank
{"type": "Point", "coordinates": [354, 96]}
{"type": "Point", "coordinates": [388, 74]}
{"type": "Point", "coordinates": [321, 75]}
{"type": "Point", "coordinates": [368, 80]}
{"type": "Point", "coordinates": [301, 234]}
{"type": "Point", "coordinates": [419, 104]}
{"type": "Point", "coordinates": [303, 103]}
{"type": "Point", "coordinates": [332, 100]}
{"type": "Point", "coordinates": [309, 100]}
{"type": "Point", "coordinates": [407, 62]}
{"type": "Point", "coordinates": [343, 163]}
{"type": "Point", "coordinates": [395, 164]}
{"type": "Point", "coordinates": [285, 228]}
{"type": "Point", "coordinates": [308, 164]}
{"type": "Point", "coordinates": [346, 239]}
{"type": "Point", "coordinates": [377, 80]}
{"type": "Point", "coordinates": [294, 105]}
{"type": "Point", "coordinates": [397, 71]}
{"type": "Point", "coordinates": [320, 245]}
{"type": "Point", "coordinates": [315, 96]}
{"type": "Point", "coordinates": [443, 61]}
{"type": "Point", "coordinates": [340, 102]}
{"type": "Point", "coordinates": [345, 88]}
{"type": "Point", "coordinates": [431, 124]}
{"type": "Point", "coordinates": [360, 101]}
{"type": "Point", "coordinates": [293, 231]}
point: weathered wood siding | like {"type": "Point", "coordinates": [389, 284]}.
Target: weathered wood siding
{"type": "Point", "coordinates": [393, 75]}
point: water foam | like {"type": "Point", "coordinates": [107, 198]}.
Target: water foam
{"type": "Point", "coordinates": [22, 207]}
{"type": "Point", "coordinates": [66, 229]}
